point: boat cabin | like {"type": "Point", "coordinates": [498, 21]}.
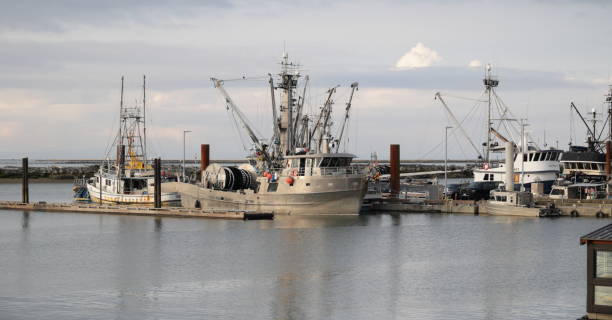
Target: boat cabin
{"type": "Point", "coordinates": [511, 198]}
{"type": "Point", "coordinates": [599, 272]}
{"type": "Point", "coordinates": [579, 191]}
{"type": "Point", "coordinates": [318, 164]}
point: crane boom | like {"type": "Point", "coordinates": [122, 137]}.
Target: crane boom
{"type": "Point", "coordinates": [457, 124]}
{"type": "Point", "coordinates": [260, 147]}
{"type": "Point", "coordinates": [354, 86]}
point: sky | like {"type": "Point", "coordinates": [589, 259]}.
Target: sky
{"type": "Point", "coordinates": [61, 63]}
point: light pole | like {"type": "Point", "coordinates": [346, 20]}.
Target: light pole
{"type": "Point", "coordinates": [185, 132]}
{"type": "Point", "coordinates": [446, 159]}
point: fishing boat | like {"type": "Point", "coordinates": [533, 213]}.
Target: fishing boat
{"type": "Point", "coordinates": [507, 201]}
{"type": "Point", "coordinates": [299, 170]}
{"type": "Point", "coordinates": [532, 163]}
{"type": "Point", "coordinates": [130, 178]}
{"type": "Point", "coordinates": [587, 164]}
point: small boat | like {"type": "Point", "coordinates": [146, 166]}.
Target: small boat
{"type": "Point", "coordinates": [130, 178]}
{"type": "Point", "coordinates": [517, 203]}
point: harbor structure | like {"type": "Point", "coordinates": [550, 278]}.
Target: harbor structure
{"type": "Point", "coordinates": [599, 273]}
{"type": "Point", "coordinates": [299, 170]}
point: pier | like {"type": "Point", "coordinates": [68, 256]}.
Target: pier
{"type": "Point", "coordinates": [137, 211]}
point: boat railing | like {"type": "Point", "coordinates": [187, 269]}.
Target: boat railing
{"type": "Point", "coordinates": [80, 182]}
{"type": "Point", "coordinates": [339, 171]}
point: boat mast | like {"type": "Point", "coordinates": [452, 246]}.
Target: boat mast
{"type": "Point", "coordinates": [144, 119]}
{"type": "Point", "coordinates": [288, 85]}
{"type": "Point", "coordinates": [120, 144]}
{"type": "Point", "coordinates": [489, 83]}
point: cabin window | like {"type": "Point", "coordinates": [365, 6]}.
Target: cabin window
{"type": "Point", "coordinates": [491, 178]}
{"type": "Point", "coordinates": [536, 157]}
{"type": "Point", "coordinates": [333, 162]}
{"type": "Point", "coordinates": [325, 162]}
{"type": "Point", "coordinates": [600, 167]}
{"type": "Point", "coordinates": [501, 198]}
{"type": "Point", "coordinates": [548, 156]}
{"type": "Point", "coordinates": [557, 192]}
{"type": "Point", "coordinates": [530, 157]}
{"type": "Point", "coordinates": [486, 177]}
{"type": "Point", "coordinates": [603, 264]}
{"type": "Point", "coordinates": [524, 157]}
{"type": "Point", "coordinates": [272, 187]}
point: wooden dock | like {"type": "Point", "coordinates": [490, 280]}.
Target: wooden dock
{"type": "Point", "coordinates": [137, 211]}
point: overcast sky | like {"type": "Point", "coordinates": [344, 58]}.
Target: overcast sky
{"type": "Point", "coordinates": [61, 64]}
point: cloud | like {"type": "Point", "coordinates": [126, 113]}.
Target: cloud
{"type": "Point", "coordinates": [419, 56]}
{"type": "Point", "coordinates": [475, 64]}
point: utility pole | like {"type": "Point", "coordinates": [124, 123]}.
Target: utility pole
{"type": "Point", "coordinates": [185, 132]}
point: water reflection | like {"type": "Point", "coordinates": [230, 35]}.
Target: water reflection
{"type": "Point", "coordinates": [25, 220]}
{"type": "Point", "coordinates": [361, 267]}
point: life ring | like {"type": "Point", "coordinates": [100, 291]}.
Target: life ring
{"type": "Point", "coordinates": [600, 214]}
{"type": "Point", "coordinates": [575, 213]}
{"type": "Point", "coordinates": [294, 172]}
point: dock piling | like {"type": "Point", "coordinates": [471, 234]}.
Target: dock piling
{"type": "Point", "coordinates": [25, 189]}
{"type": "Point", "coordinates": [157, 183]}
{"type": "Point", "coordinates": [205, 156]}
{"type": "Point", "coordinates": [394, 160]}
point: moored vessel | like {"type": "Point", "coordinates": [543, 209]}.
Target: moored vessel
{"type": "Point", "coordinates": [130, 178]}
{"type": "Point", "coordinates": [299, 170]}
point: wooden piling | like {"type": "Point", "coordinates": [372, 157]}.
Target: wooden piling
{"type": "Point", "coordinates": [394, 160]}
{"type": "Point", "coordinates": [157, 183]}
{"type": "Point", "coordinates": [25, 189]}
{"type": "Point", "coordinates": [204, 156]}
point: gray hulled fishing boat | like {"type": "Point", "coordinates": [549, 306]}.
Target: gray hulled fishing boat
{"type": "Point", "coordinates": [300, 170]}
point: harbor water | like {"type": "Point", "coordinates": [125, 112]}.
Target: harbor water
{"type": "Point", "coordinates": [401, 266]}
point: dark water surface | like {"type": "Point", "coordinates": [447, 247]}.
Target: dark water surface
{"type": "Point", "coordinates": [411, 266]}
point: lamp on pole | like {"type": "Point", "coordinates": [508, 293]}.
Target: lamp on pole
{"type": "Point", "coordinates": [185, 132]}
{"type": "Point", "coordinates": [446, 159]}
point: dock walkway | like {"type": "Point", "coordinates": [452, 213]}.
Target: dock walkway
{"type": "Point", "coordinates": [131, 210]}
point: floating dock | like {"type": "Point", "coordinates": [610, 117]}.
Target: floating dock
{"type": "Point", "coordinates": [136, 211]}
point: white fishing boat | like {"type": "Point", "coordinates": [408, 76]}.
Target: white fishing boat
{"type": "Point", "coordinates": [130, 178]}
{"type": "Point", "coordinates": [300, 170]}
{"type": "Point", "coordinates": [508, 202]}
{"type": "Point", "coordinates": [532, 163]}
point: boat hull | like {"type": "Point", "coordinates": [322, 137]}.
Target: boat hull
{"type": "Point", "coordinates": [508, 210]}
{"type": "Point", "coordinates": [167, 198]}
{"type": "Point", "coordinates": [323, 202]}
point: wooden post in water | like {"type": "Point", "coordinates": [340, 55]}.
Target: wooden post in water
{"type": "Point", "coordinates": [25, 190]}
{"type": "Point", "coordinates": [204, 156]}
{"type": "Point", "coordinates": [394, 160]}
{"type": "Point", "coordinates": [157, 195]}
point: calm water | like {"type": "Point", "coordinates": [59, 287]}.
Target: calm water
{"type": "Point", "coordinates": [411, 266]}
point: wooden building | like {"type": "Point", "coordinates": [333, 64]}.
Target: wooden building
{"type": "Point", "coordinates": [599, 272]}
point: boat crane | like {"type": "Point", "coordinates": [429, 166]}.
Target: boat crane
{"type": "Point", "coordinates": [354, 86]}
{"type": "Point", "coordinates": [258, 144]}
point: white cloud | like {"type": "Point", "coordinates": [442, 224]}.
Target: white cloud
{"type": "Point", "coordinates": [419, 56]}
{"type": "Point", "coordinates": [475, 64]}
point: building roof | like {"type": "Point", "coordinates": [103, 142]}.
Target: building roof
{"type": "Point", "coordinates": [603, 234]}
